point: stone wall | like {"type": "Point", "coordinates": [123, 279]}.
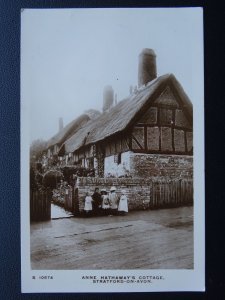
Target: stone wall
{"type": "Point", "coordinates": [137, 190]}
{"type": "Point", "coordinates": [163, 166]}
{"type": "Point", "coordinates": [142, 193]}
{"type": "Point", "coordinates": [150, 165]}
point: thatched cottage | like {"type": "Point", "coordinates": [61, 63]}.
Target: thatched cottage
{"type": "Point", "coordinates": [150, 133]}
{"type": "Point", "coordinates": [54, 144]}
{"type": "Point", "coordinates": [60, 137]}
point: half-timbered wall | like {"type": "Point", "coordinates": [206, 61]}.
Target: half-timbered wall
{"type": "Point", "coordinates": [118, 144]}
{"type": "Point", "coordinates": [55, 149]}
{"type": "Point", "coordinates": [49, 153]}
{"type": "Point", "coordinates": [163, 128]}
{"type": "Point", "coordinates": [83, 153]}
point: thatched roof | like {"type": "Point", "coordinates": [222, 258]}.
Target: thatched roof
{"type": "Point", "coordinates": [68, 130]}
{"type": "Point", "coordinates": [124, 114]}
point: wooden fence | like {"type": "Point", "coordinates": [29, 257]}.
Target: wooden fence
{"type": "Point", "coordinates": [75, 202]}
{"type": "Point", "coordinates": [171, 193]}
{"type": "Point", "coordinates": [40, 205]}
{"type": "Point", "coordinates": [71, 201]}
{"type": "Point", "coordinates": [67, 198]}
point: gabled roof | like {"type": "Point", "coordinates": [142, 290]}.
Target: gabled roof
{"type": "Point", "coordinates": [68, 130]}
{"type": "Point", "coordinates": [121, 116]}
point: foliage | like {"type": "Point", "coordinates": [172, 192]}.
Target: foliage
{"type": "Point", "coordinates": [36, 149]}
{"type": "Point", "coordinates": [52, 178]}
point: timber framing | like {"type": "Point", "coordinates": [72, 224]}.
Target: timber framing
{"type": "Point", "coordinates": [123, 128]}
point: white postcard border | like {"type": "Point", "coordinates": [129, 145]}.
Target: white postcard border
{"type": "Point", "coordinates": [59, 281]}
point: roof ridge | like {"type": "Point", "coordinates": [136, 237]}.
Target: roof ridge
{"type": "Point", "coordinates": [120, 116]}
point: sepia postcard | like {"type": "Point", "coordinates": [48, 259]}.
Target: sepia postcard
{"type": "Point", "coordinates": [112, 150]}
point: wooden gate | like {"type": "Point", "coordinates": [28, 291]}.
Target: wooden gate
{"type": "Point", "coordinates": [40, 205]}
{"type": "Point", "coordinates": [75, 202]}
{"type": "Point", "coordinates": [171, 193]}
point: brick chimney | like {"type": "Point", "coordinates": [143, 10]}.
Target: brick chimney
{"type": "Point", "coordinates": [108, 98]}
{"type": "Point", "coordinates": [147, 67]}
{"type": "Point", "coordinates": [115, 99]}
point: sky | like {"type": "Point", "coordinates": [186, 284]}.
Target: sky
{"type": "Point", "coordinates": [69, 55]}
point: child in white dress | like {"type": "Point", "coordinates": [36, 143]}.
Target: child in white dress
{"type": "Point", "coordinates": [88, 204]}
{"type": "Point", "coordinates": [123, 206]}
{"type": "Point", "coordinates": [113, 200]}
{"type": "Point", "coordinates": [105, 201]}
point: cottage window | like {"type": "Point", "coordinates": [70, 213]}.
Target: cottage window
{"type": "Point", "coordinates": [90, 163]}
{"type": "Point", "coordinates": [117, 158]}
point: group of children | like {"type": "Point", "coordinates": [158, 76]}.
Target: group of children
{"type": "Point", "coordinates": [106, 203]}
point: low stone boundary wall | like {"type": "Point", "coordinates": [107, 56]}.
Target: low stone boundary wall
{"type": "Point", "coordinates": [141, 193]}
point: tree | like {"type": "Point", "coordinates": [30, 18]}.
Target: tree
{"type": "Point", "coordinates": [36, 149]}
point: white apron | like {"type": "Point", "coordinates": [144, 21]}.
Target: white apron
{"type": "Point", "coordinates": [88, 203]}
{"type": "Point", "coordinates": [123, 206]}
{"type": "Point", "coordinates": [105, 201]}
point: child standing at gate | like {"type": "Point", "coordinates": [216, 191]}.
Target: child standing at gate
{"type": "Point", "coordinates": [88, 204]}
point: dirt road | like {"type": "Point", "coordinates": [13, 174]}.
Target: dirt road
{"type": "Point", "coordinates": [154, 239]}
